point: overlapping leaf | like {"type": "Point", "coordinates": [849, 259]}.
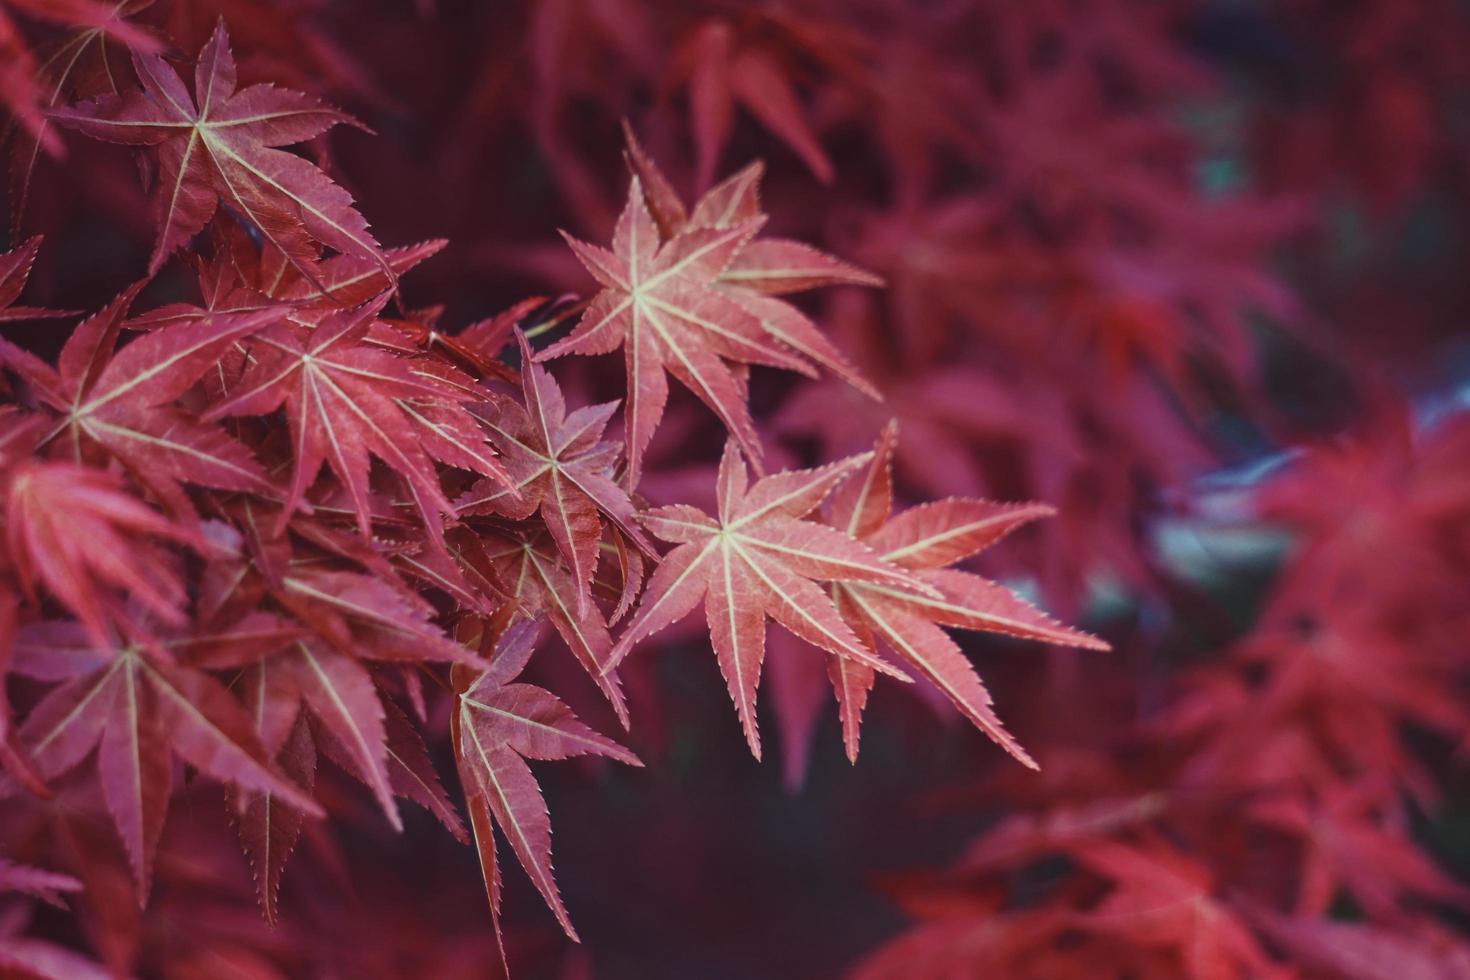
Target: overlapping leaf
{"type": "Point", "coordinates": [924, 540]}
{"type": "Point", "coordinates": [758, 558]}
{"type": "Point", "coordinates": [29, 86]}
{"type": "Point", "coordinates": [529, 569]}
{"type": "Point", "coordinates": [216, 145]}
{"type": "Point", "coordinates": [121, 401]}
{"type": "Point", "coordinates": [347, 401]}
{"type": "Point", "coordinates": [77, 532]}
{"type": "Point", "coordinates": [497, 725]}
{"type": "Point", "coordinates": [765, 268]}
{"type": "Point", "coordinates": [138, 711]}
{"type": "Point", "coordinates": [561, 466]}
{"type": "Point", "coordinates": [670, 304]}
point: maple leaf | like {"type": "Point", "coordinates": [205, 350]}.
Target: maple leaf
{"type": "Point", "coordinates": [216, 146]}
{"type": "Point", "coordinates": [78, 65]}
{"type": "Point", "coordinates": [529, 569]}
{"type": "Point", "coordinates": [75, 530]}
{"type": "Point", "coordinates": [759, 559]}
{"type": "Point", "coordinates": [137, 711]}
{"type": "Point", "coordinates": [924, 540]}
{"type": "Point", "coordinates": [764, 268]}
{"type": "Point", "coordinates": [15, 270]}
{"type": "Point", "coordinates": [721, 71]}
{"type": "Point", "coordinates": [356, 728]}
{"type": "Point", "coordinates": [121, 401]}
{"type": "Point", "coordinates": [688, 304]}
{"type": "Point", "coordinates": [345, 400]}
{"type": "Point", "coordinates": [660, 303]}
{"type": "Point", "coordinates": [23, 81]}
{"type": "Point", "coordinates": [561, 466]}
{"type": "Point", "coordinates": [497, 725]}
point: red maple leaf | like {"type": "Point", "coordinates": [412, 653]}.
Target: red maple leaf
{"type": "Point", "coordinates": [561, 467]}
{"type": "Point", "coordinates": [689, 303]}
{"type": "Point", "coordinates": [137, 709]}
{"type": "Point", "coordinates": [925, 540]}
{"type": "Point", "coordinates": [68, 529]}
{"type": "Point", "coordinates": [765, 268]}
{"type": "Point", "coordinates": [347, 400]}
{"type": "Point", "coordinates": [1350, 846]}
{"type": "Point", "coordinates": [24, 82]}
{"type": "Point", "coordinates": [758, 558]}
{"type": "Point", "coordinates": [122, 402]}
{"type": "Point", "coordinates": [216, 146]}
{"type": "Point", "coordinates": [659, 302]}
{"type": "Point", "coordinates": [528, 568]}
{"type": "Point", "coordinates": [721, 69]}
{"type": "Point", "coordinates": [497, 725]}
{"type": "Point", "coordinates": [1161, 898]}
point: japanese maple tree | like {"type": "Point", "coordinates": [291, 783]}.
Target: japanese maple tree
{"type": "Point", "coordinates": [976, 310]}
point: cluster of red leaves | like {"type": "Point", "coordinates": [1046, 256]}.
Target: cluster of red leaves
{"type": "Point", "coordinates": [242, 531]}
{"type": "Point", "coordinates": [1260, 822]}
{"type": "Point", "coordinates": [1073, 207]}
